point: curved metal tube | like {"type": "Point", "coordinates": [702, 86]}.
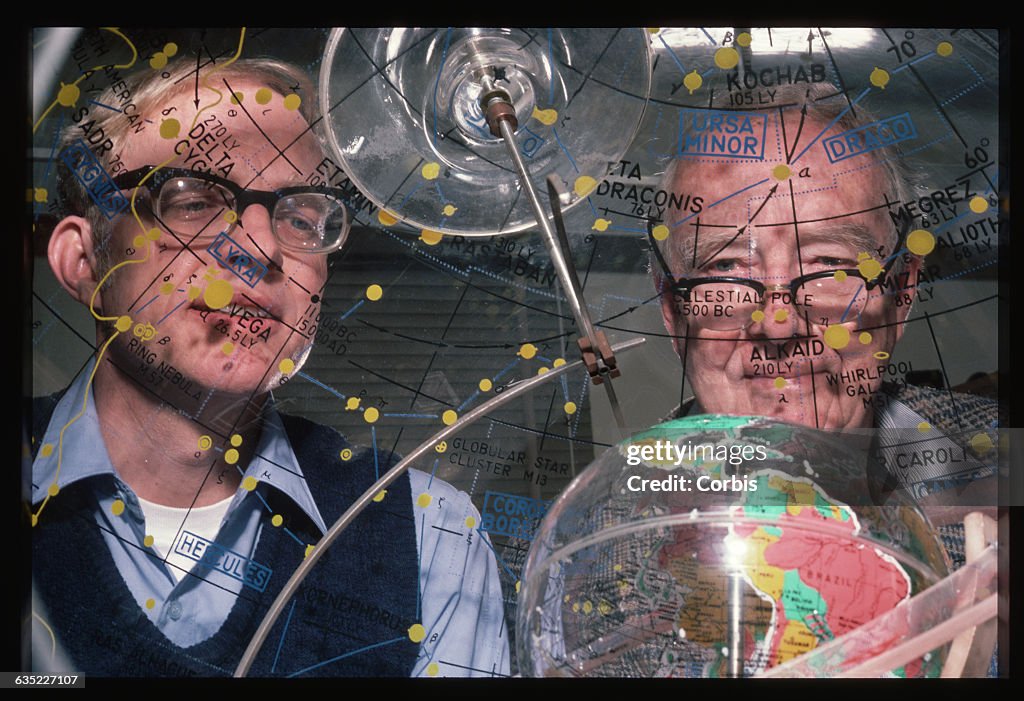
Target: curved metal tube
{"type": "Point", "coordinates": [390, 476]}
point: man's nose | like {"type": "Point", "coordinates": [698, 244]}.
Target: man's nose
{"type": "Point", "coordinates": [256, 230]}
{"type": "Point", "coordinates": [781, 316]}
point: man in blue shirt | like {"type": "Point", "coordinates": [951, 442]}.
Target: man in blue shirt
{"type": "Point", "coordinates": [170, 500]}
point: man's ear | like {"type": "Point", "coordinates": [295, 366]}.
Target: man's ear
{"type": "Point", "coordinates": [72, 259]}
{"type": "Point", "coordinates": [903, 311]}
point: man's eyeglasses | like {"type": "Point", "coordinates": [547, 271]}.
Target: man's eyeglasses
{"type": "Point", "coordinates": [304, 219]}
{"type": "Point", "coordinates": [827, 297]}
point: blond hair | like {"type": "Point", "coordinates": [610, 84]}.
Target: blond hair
{"type": "Point", "coordinates": [150, 91]}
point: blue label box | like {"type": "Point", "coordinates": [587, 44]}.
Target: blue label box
{"type": "Point", "coordinates": [722, 133]}
{"type": "Point", "coordinates": [512, 515]}
{"type": "Point", "coordinates": [217, 557]}
{"type": "Point", "coordinates": [869, 137]}
{"type": "Point", "coordinates": [235, 258]}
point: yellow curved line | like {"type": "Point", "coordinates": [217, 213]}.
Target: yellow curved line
{"type": "Point", "coordinates": [76, 417]}
{"type": "Point", "coordinates": [53, 638]}
{"type": "Point", "coordinates": [149, 247]}
{"type": "Point", "coordinates": [135, 57]}
{"type": "Point", "coordinates": [206, 78]}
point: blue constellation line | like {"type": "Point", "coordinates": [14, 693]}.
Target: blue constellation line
{"type": "Point", "coordinates": [411, 416]}
{"type": "Point", "coordinates": [320, 384]}
{"type": "Point", "coordinates": [715, 204]}
{"type": "Point", "coordinates": [376, 466]}
{"type": "Point", "coordinates": [100, 104]}
{"type": "Point", "coordinates": [565, 387]}
{"type": "Point", "coordinates": [53, 148]}
{"type": "Point", "coordinates": [471, 397]}
{"type": "Point", "coordinates": [506, 369]}
{"type": "Point", "coordinates": [280, 643]}
{"type": "Point", "coordinates": [674, 58]}
{"type": "Point", "coordinates": [592, 207]}
{"type": "Point", "coordinates": [948, 278]}
{"type": "Point", "coordinates": [271, 511]}
{"type": "Point", "coordinates": [568, 155]}
{"type": "Point", "coordinates": [171, 312]}
{"type": "Point", "coordinates": [831, 124]}
{"type": "Point", "coordinates": [947, 224]}
{"type": "Point", "coordinates": [433, 472]}
{"type": "Point", "coordinates": [496, 555]}
{"type": "Point", "coordinates": [916, 60]}
{"type": "Point", "coordinates": [897, 253]}
{"type": "Point", "coordinates": [710, 38]}
{"type": "Point", "coordinates": [440, 194]}
{"type": "Point", "coordinates": [419, 565]}
{"type": "Point", "coordinates": [409, 194]}
{"type": "Point", "coordinates": [147, 304]}
{"type": "Point", "coordinates": [437, 81]}
{"type": "Point", "coordinates": [852, 300]}
{"type": "Point", "coordinates": [347, 654]}
{"type": "Point", "coordinates": [351, 309]}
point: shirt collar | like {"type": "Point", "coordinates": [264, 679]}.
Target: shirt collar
{"type": "Point", "coordinates": [82, 453]}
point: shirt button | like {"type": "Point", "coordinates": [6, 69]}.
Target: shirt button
{"type": "Point", "coordinates": [174, 610]}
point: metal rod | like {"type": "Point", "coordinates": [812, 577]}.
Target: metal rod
{"type": "Point", "coordinates": [566, 273]}
{"type": "Point", "coordinates": [554, 249]}
{"type": "Point", "coordinates": [292, 585]}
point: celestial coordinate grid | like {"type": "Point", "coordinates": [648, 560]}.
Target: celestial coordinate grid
{"type": "Point", "coordinates": [414, 328]}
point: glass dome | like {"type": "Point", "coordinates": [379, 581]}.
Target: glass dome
{"type": "Point", "coordinates": [404, 117]}
{"type": "Point", "coordinates": [718, 546]}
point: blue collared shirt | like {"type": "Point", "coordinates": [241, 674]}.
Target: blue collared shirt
{"type": "Point", "coordinates": [461, 592]}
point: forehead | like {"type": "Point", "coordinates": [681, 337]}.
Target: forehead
{"type": "Point", "coordinates": [735, 191]}
{"type": "Point", "coordinates": [259, 143]}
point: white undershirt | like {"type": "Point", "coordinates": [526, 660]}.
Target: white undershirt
{"type": "Point", "coordinates": [164, 522]}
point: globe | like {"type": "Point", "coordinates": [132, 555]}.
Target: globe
{"type": "Point", "coordinates": [719, 546]}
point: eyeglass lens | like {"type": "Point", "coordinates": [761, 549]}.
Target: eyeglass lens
{"type": "Point", "coordinates": [304, 221]}
{"type": "Point", "coordinates": [730, 306]}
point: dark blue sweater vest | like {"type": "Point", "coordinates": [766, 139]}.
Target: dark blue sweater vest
{"type": "Point", "coordinates": [361, 594]}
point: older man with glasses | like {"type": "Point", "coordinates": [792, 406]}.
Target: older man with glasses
{"type": "Point", "coordinates": [787, 293]}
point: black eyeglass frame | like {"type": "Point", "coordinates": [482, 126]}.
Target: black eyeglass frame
{"type": "Point", "coordinates": [243, 197]}
{"type": "Point", "coordinates": [682, 287]}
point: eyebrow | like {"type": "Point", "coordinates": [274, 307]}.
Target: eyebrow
{"type": "Point", "coordinates": [712, 242]}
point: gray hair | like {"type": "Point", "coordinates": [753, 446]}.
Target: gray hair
{"type": "Point", "coordinates": [149, 92]}
{"type": "Point", "coordinates": [824, 104]}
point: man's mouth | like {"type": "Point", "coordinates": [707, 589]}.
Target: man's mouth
{"type": "Point", "coordinates": [237, 307]}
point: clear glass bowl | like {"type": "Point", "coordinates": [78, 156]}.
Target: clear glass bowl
{"type": "Point", "coordinates": [766, 545]}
